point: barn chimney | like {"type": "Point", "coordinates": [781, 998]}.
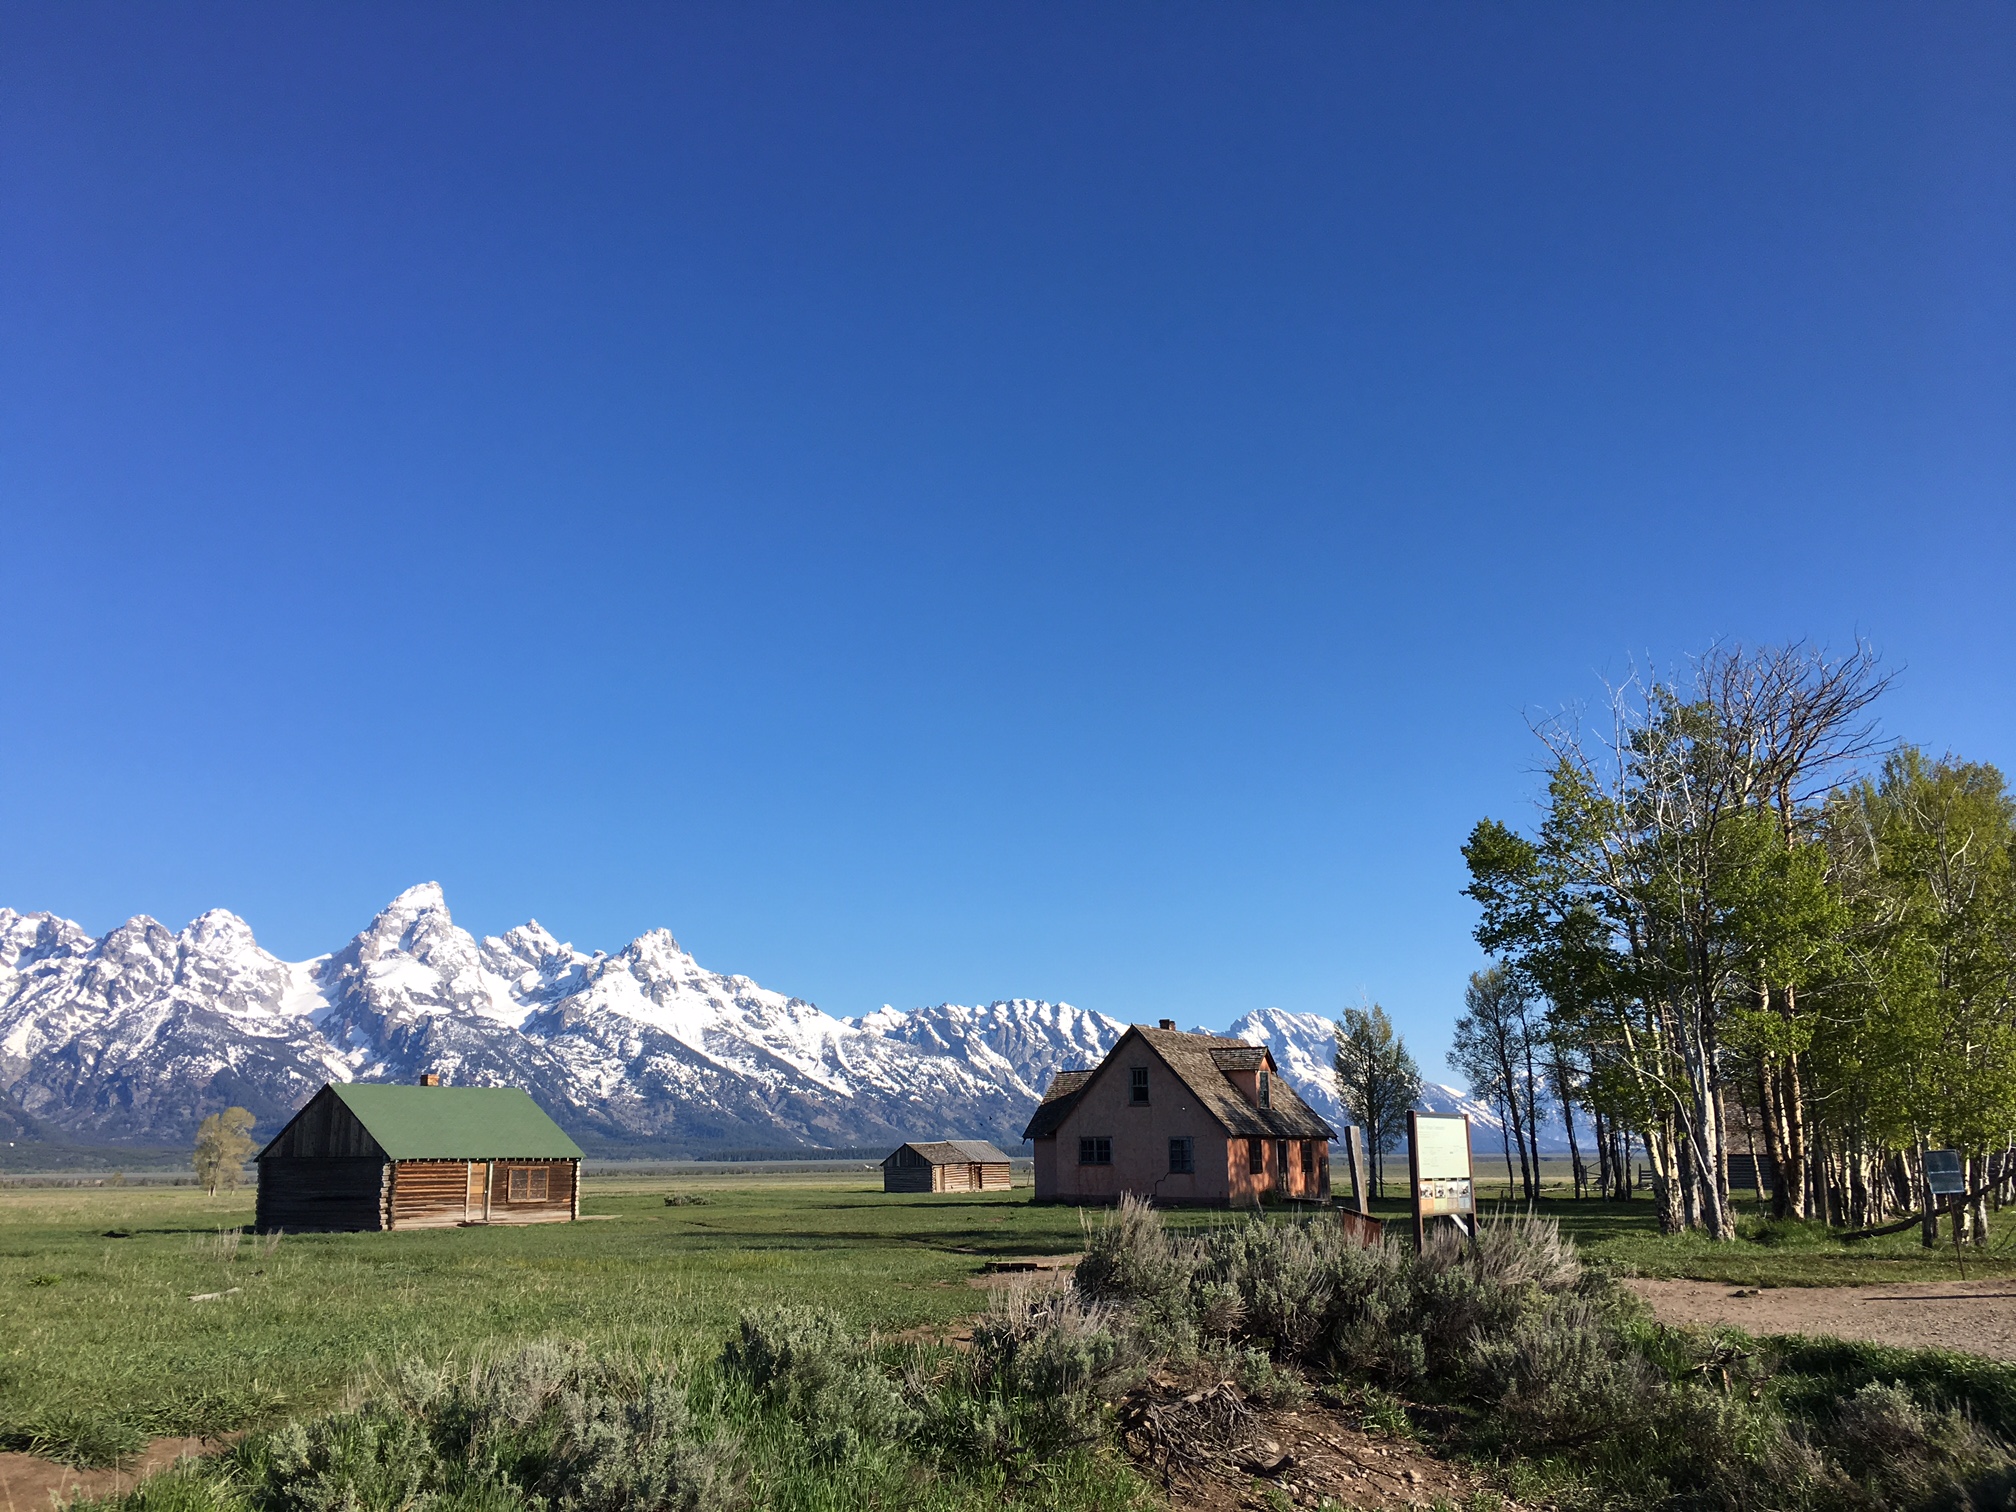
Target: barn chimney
{"type": "Point", "coordinates": [1168, 1023]}
{"type": "Point", "coordinates": [430, 1079]}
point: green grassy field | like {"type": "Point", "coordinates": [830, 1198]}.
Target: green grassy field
{"type": "Point", "coordinates": [101, 1345]}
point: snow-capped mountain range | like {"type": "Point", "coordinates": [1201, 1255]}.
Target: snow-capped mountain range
{"type": "Point", "coordinates": [133, 1037]}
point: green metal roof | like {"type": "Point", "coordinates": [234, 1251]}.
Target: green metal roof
{"type": "Point", "coordinates": [455, 1123]}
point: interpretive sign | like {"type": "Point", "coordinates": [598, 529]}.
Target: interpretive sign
{"type": "Point", "coordinates": [1945, 1174]}
{"type": "Point", "coordinates": [1438, 1171]}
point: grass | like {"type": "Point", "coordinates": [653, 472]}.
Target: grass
{"type": "Point", "coordinates": [1624, 1238]}
{"type": "Point", "coordinates": [102, 1348]}
{"type": "Point", "coordinates": [99, 1341]}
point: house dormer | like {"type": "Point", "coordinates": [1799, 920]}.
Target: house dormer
{"type": "Point", "coordinates": [1250, 1068]}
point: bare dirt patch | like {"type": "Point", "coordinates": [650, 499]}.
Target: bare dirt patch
{"type": "Point", "coordinates": [1211, 1450]}
{"type": "Point", "coordinates": [1973, 1317]}
{"type": "Point", "coordinates": [1025, 1270]}
{"type": "Point", "coordinates": [29, 1483]}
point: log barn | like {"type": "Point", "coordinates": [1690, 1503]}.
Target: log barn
{"type": "Point", "coordinates": [945, 1165]}
{"type": "Point", "coordinates": [366, 1155]}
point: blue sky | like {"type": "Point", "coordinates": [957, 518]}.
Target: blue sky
{"type": "Point", "coordinates": [942, 501]}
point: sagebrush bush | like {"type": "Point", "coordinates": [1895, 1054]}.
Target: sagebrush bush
{"type": "Point", "coordinates": [1131, 1258]}
{"type": "Point", "coordinates": [1265, 1383]}
{"type": "Point", "coordinates": [542, 1424]}
{"type": "Point", "coordinates": [1904, 1452]}
{"type": "Point", "coordinates": [1560, 1374]}
{"type": "Point", "coordinates": [1513, 1315]}
{"type": "Point", "coordinates": [809, 1366]}
{"type": "Point", "coordinates": [1043, 1365]}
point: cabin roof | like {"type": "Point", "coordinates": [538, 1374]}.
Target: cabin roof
{"type": "Point", "coordinates": [455, 1123]}
{"type": "Point", "coordinates": [1057, 1103]}
{"type": "Point", "coordinates": [952, 1152]}
{"type": "Point", "coordinates": [1201, 1062]}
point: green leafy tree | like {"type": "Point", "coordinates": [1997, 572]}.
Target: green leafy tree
{"type": "Point", "coordinates": [1377, 1081]}
{"type": "Point", "coordinates": [1490, 1052]}
{"type": "Point", "coordinates": [223, 1144]}
{"type": "Point", "coordinates": [1673, 903]}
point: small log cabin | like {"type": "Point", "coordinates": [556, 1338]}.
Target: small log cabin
{"type": "Point", "coordinates": [364, 1155]}
{"type": "Point", "coordinates": [945, 1165]}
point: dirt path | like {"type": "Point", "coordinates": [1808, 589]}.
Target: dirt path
{"type": "Point", "coordinates": [29, 1483]}
{"type": "Point", "coordinates": [1212, 1450]}
{"type": "Point", "coordinates": [1976, 1317]}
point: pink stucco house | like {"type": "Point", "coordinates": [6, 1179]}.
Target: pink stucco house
{"type": "Point", "coordinates": [1178, 1118]}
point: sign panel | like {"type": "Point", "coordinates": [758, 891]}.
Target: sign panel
{"type": "Point", "coordinates": [1446, 1195]}
{"type": "Point", "coordinates": [1945, 1174]}
{"type": "Point", "coordinates": [1438, 1161]}
{"type": "Point", "coordinates": [1441, 1147]}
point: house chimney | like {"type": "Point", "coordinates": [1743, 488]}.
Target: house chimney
{"type": "Point", "coordinates": [430, 1079]}
{"type": "Point", "coordinates": [1168, 1023]}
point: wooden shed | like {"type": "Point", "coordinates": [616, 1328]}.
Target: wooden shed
{"type": "Point", "coordinates": [945, 1165]}
{"type": "Point", "coordinates": [365, 1155]}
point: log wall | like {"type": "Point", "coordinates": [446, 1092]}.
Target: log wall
{"type": "Point", "coordinates": [360, 1192]}
{"type": "Point", "coordinates": [560, 1204]}
{"type": "Point", "coordinates": [958, 1176]}
{"type": "Point", "coordinates": [336, 1192]}
{"type": "Point", "coordinates": [431, 1194]}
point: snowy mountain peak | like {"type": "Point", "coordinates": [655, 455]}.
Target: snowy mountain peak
{"type": "Point", "coordinates": [27, 938]}
{"type": "Point", "coordinates": [137, 1035]}
{"type": "Point", "coordinates": [421, 897]}
{"type": "Point", "coordinates": [658, 952]}
{"type": "Point", "coordinates": [1022, 1041]}
{"type": "Point", "coordinates": [218, 932]}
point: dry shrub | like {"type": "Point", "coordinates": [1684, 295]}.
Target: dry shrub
{"type": "Point", "coordinates": [808, 1366]}
{"type": "Point", "coordinates": [1044, 1363]}
{"type": "Point", "coordinates": [542, 1424]}
{"type": "Point", "coordinates": [1561, 1374]}
{"type": "Point", "coordinates": [1906, 1453]}
{"type": "Point", "coordinates": [1130, 1258]}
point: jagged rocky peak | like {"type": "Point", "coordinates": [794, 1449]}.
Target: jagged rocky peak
{"type": "Point", "coordinates": [658, 954]}
{"type": "Point", "coordinates": [28, 938]}
{"type": "Point", "coordinates": [414, 922]}
{"type": "Point", "coordinates": [530, 946]}
{"type": "Point", "coordinates": [218, 932]}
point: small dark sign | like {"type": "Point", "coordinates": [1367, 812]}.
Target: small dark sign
{"type": "Point", "coordinates": [1945, 1175]}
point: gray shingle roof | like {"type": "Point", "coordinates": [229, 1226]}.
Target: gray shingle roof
{"type": "Point", "coordinates": [953, 1152]}
{"type": "Point", "coordinates": [1057, 1101]}
{"type": "Point", "coordinates": [1201, 1062]}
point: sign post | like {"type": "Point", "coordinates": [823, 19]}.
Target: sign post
{"type": "Point", "coordinates": [1946, 1176]}
{"type": "Point", "coordinates": [1438, 1172]}
{"type": "Point", "coordinates": [1360, 1227]}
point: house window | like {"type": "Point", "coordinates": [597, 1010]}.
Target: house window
{"type": "Point", "coordinates": [1256, 1156]}
{"type": "Point", "coordinates": [1095, 1149]}
{"type": "Point", "coordinates": [527, 1184]}
{"type": "Point", "coordinates": [1181, 1157]}
{"type": "Point", "coordinates": [1309, 1158]}
{"type": "Point", "coordinates": [1281, 1158]}
{"type": "Point", "coordinates": [1137, 1086]}
{"type": "Point", "coordinates": [1266, 1092]}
